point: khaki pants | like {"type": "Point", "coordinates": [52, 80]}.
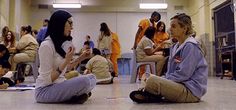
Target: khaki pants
{"type": "Point", "coordinates": [172, 91]}
{"type": "Point", "coordinates": [160, 59]}
{"type": "Point", "coordinates": [19, 58]}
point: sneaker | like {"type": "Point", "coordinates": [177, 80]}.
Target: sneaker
{"type": "Point", "coordinates": [142, 96]}
{"type": "Point", "coordinates": [78, 99]}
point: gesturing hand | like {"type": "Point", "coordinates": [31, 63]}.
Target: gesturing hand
{"type": "Point", "coordinates": [85, 55]}
{"type": "Point", "coordinates": [69, 54]}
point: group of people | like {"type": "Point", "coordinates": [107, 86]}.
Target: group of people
{"type": "Point", "coordinates": [58, 48]}
{"type": "Point", "coordinates": [21, 51]}
{"type": "Point", "coordinates": [184, 81]}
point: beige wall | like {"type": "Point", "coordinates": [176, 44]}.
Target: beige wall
{"type": "Point", "coordinates": [22, 14]}
{"type": "Point", "coordinates": [15, 13]}
{"type": "Point", "coordinates": [4, 13]}
{"type": "Point", "coordinates": [201, 12]}
{"type": "Point", "coordinates": [38, 15]}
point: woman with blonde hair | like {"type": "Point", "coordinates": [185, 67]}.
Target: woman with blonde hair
{"type": "Point", "coordinates": [186, 78]}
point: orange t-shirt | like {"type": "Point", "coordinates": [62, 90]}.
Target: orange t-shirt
{"type": "Point", "coordinates": [159, 37]}
{"type": "Point", "coordinates": [144, 24]}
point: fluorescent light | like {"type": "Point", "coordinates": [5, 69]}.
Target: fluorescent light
{"type": "Point", "coordinates": [66, 5]}
{"type": "Point", "coordinates": [153, 5]}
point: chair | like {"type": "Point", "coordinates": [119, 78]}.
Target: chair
{"type": "Point", "coordinates": [136, 67]}
{"type": "Point", "coordinates": [34, 65]}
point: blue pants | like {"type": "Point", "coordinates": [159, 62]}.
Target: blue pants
{"type": "Point", "coordinates": [61, 92]}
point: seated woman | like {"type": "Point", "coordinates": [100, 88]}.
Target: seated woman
{"type": "Point", "coordinates": [99, 66]}
{"type": "Point", "coordinates": [160, 35]}
{"type": "Point", "coordinates": [186, 78]}
{"type": "Point", "coordinates": [10, 42]}
{"type": "Point", "coordinates": [4, 67]}
{"type": "Point", "coordinates": [55, 60]}
{"type": "Point", "coordinates": [146, 50]}
{"type": "Point", "coordinates": [26, 48]}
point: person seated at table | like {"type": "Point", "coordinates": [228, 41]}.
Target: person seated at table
{"type": "Point", "coordinates": [146, 50]}
{"type": "Point", "coordinates": [100, 67]}
{"type": "Point", "coordinates": [10, 42]}
{"type": "Point", "coordinates": [4, 68]}
{"type": "Point", "coordinates": [26, 48]}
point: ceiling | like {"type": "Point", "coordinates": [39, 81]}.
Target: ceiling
{"type": "Point", "coordinates": [99, 5]}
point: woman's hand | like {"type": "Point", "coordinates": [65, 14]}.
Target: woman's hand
{"type": "Point", "coordinates": [69, 54]}
{"type": "Point", "coordinates": [85, 55]}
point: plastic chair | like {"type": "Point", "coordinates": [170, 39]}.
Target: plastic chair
{"type": "Point", "coordinates": [34, 65]}
{"type": "Point", "coordinates": [136, 67]}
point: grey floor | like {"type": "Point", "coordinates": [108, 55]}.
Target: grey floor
{"type": "Point", "coordinates": [221, 95]}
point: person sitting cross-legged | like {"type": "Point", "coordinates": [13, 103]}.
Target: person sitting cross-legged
{"type": "Point", "coordinates": [100, 67]}
{"type": "Point", "coordinates": [186, 78]}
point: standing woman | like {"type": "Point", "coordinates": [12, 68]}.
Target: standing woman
{"type": "Point", "coordinates": [104, 41]}
{"type": "Point", "coordinates": [55, 60]}
{"type": "Point", "coordinates": [116, 50]}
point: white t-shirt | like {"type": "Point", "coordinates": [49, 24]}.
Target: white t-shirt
{"type": "Point", "coordinates": [145, 43]}
{"type": "Point", "coordinates": [49, 60]}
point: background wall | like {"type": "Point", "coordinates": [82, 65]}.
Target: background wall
{"type": "Point", "coordinates": [201, 12]}
{"type": "Point", "coordinates": [4, 13]}
{"type": "Point", "coordinates": [124, 24]}
{"type": "Point", "coordinates": [14, 14]}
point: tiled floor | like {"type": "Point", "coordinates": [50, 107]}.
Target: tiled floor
{"type": "Point", "coordinates": [221, 95]}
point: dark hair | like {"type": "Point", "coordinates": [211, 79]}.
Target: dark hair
{"type": "Point", "coordinates": [5, 30]}
{"type": "Point", "coordinates": [156, 14]}
{"type": "Point", "coordinates": [4, 59]}
{"type": "Point", "coordinates": [35, 31]}
{"type": "Point", "coordinates": [2, 47]}
{"type": "Point", "coordinates": [56, 30]}
{"type": "Point", "coordinates": [150, 31]}
{"type": "Point", "coordinates": [12, 40]}
{"type": "Point", "coordinates": [87, 43]}
{"type": "Point", "coordinates": [46, 20]}
{"type": "Point", "coordinates": [96, 51]}
{"type": "Point", "coordinates": [184, 20]}
{"type": "Point", "coordinates": [159, 25]}
{"type": "Point", "coordinates": [104, 28]}
{"type": "Point", "coordinates": [88, 36]}
{"type": "Point", "coordinates": [28, 29]}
